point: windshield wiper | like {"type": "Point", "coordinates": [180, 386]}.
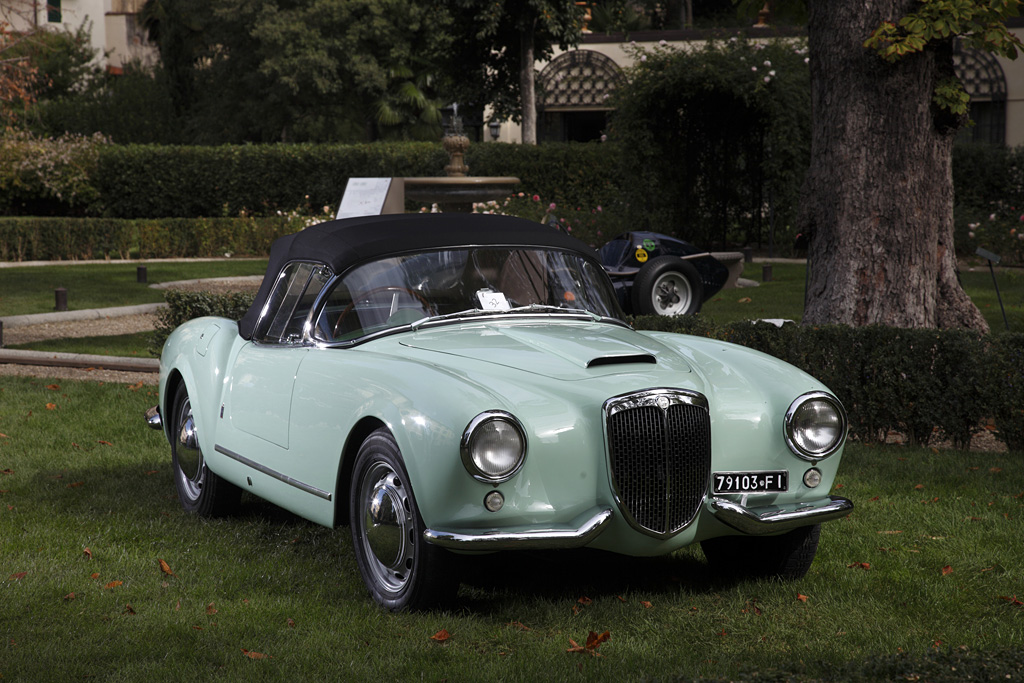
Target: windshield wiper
{"type": "Point", "coordinates": [532, 308]}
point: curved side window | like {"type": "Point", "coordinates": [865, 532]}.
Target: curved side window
{"type": "Point", "coordinates": [288, 306]}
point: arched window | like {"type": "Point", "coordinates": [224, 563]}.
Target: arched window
{"type": "Point", "coordinates": [573, 95]}
{"type": "Point", "coordinates": [985, 82]}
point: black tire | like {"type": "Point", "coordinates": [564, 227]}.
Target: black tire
{"type": "Point", "coordinates": [401, 570]}
{"type": "Point", "coordinates": [667, 285]}
{"type": "Point", "coordinates": [786, 557]}
{"type": "Point", "coordinates": [200, 491]}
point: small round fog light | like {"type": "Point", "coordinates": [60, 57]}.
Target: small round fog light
{"type": "Point", "coordinates": [494, 501]}
{"type": "Point", "coordinates": [812, 477]}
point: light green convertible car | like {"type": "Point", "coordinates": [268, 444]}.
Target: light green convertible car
{"type": "Point", "coordinates": [464, 383]}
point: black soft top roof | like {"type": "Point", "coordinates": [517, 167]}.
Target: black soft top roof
{"type": "Point", "coordinates": [344, 243]}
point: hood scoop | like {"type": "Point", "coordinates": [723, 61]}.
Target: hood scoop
{"type": "Point", "coordinates": [622, 360]}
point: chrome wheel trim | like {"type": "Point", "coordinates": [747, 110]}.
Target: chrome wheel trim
{"type": "Point", "coordinates": [671, 294]}
{"type": "Point", "coordinates": [191, 470]}
{"type": "Point", "coordinates": [386, 527]}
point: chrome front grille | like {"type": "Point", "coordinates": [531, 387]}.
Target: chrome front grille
{"type": "Point", "coordinates": [659, 447]}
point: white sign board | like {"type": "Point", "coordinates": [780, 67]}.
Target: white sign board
{"type": "Point", "coordinates": [364, 197]}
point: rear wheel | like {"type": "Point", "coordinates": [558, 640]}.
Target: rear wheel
{"type": "Point", "coordinates": [199, 490]}
{"type": "Point", "coordinates": [667, 285]}
{"type": "Point", "coordinates": [401, 570]}
{"type": "Point", "coordinates": [786, 557]}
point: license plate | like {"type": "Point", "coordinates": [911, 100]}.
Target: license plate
{"type": "Point", "coordinates": [751, 482]}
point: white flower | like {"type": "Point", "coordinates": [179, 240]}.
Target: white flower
{"type": "Point", "coordinates": [662, 42]}
{"type": "Point", "coordinates": [807, 60]}
{"type": "Point", "coordinates": [767, 79]}
{"type": "Point", "coordinates": [767, 62]}
{"type": "Point", "coordinates": [753, 68]}
{"type": "Point", "coordinates": [772, 72]}
{"type": "Point", "coordinates": [643, 58]}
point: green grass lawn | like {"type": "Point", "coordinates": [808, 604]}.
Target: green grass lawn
{"type": "Point", "coordinates": [919, 579]}
{"type": "Point", "coordinates": [783, 297]}
{"type": "Point", "coordinates": [25, 290]}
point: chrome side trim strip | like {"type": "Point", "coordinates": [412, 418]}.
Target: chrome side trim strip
{"type": "Point", "coordinates": [524, 539]}
{"type": "Point", "coordinates": [778, 518]}
{"type": "Point", "coordinates": [273, 473]}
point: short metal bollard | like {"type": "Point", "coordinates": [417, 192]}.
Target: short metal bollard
{"type": "Point", "coordinates": [140, 274]}
{"type": "Point", "coordinates": [766, 273]}
{"type": "Point", "coordinates": [60, 296]}
{"type": "Point", "coordinates": [1, 334]}
{"type": "Point", "coordinates": [748, 255]}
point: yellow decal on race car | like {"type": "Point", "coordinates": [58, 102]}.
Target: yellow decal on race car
{"type": "Point", "coordinates": [641, 254]}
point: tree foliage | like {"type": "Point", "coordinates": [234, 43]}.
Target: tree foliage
{"type": "Point", "coordinates": [715, 140]}
{"type": "Point", "coordinates": [255, 70]}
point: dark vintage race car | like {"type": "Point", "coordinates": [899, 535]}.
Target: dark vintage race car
{"type": "Point", "coordinates": [465, 383]}
{"type": "Point", "coordinates": [655, 274]}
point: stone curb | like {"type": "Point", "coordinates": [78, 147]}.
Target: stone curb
{"type": "Point", "coordinates": [84, 314]}
{"type": "Point", "coordinates": [79, 360]}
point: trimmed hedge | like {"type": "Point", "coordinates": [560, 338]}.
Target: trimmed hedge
{"type": "Point", "coordinates": [925, 383]}
{"type": "Point", "coordinates": [152, 181]}
{"type": "Point", "coordinates": [56, 239]}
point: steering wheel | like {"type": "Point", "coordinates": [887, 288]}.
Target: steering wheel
{"type": "Point", "coordinates": [377, 290]}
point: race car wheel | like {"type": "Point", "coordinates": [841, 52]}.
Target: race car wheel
{"type": "Point", "coordinates": [667, 285]}
{"type": "Point", "coordinates": [401, 570]}
{"type": "Point", "coordinates": [199, 490]}
{"type": "Point", "coordinates": [786, 557]}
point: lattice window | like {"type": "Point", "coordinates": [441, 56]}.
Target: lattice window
{"type": "Point", "coordinates": [985, 82]}
{"type": "Point", "coordinates": [578, 79]}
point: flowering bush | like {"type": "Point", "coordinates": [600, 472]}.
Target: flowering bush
{"type": "Point", "coordinates": [60, 169]}
{"type": "Point", "coordinates": [1001, 232]}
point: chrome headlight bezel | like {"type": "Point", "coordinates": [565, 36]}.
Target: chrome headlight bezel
{"type": "Point", "coordinates": [795, 430]}
{"type": "Point", "coordinates": [470, 446]}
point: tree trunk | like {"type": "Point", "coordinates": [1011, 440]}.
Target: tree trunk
{"type": "Point", "coordinates": [527, 91]}
{"type": "Point", "coordinates": [878, 198]}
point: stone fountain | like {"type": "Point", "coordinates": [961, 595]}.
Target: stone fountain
{"type": "Point", "coordinates": [457, 191]}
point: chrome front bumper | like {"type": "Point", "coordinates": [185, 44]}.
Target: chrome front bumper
{"type": "Point", "coordinates": [569, 536]}
{"type": "Point", "coordinates": [778, 518]}
{"type": "Point", "coordinates": [153, 418]}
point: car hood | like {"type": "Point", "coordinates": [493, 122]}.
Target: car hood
{"type": "Point", "coordinates": [567, 351]}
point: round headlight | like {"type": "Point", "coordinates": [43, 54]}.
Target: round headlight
{"type": "Point", "coordinates": [815, 425]}
{"type": "Point", "coordinates": [493, 446]}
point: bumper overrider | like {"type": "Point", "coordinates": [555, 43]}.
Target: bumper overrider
{"type": "Point", "coordinates": [754, 521]}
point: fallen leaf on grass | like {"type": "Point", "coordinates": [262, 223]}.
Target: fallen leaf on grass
{"type": "Point", "coordinates": [211, 610]}
{"type": "Point", "coordinates": [890, 532]}
{"type": "Point", "coordinates": [7, 471]}
{"type": "Point", "coordinates": [53, 387]}
{"type": "Point", "coordinates": [105, 443]}
{"type": "Point", "coordinates": [255, 655]}
{"type": "Point", "coordinates": [593, 642]}
{"type": "Point", "coordinates": [113, 584]}
{"type": "Point", "coordinates": [51, 406]}
{"type": "Point", "coordinates": [291, 623]}
{"type": "Point", "coordinates": [584, 600]}
{"type": "Point", "coordinates": [165, 568]}
{"type": "Point", "coordinates": [95, 576]}
{"type": "Point", "coordinates": [801, 597]}
{"type": "Point", "coordinates": [859, 565]}
{"type": "Point", "coordinates": [17, 577]}
{"type": "Point", "coordinates": [87, 553]}
{"type": "Point", "coordinates": [519, 625]}
{"type": "Point", "coordinates": [646, 604]}
{"type": "Point", "coordinates": [70, 596]}
{"type": "Point", "coordinates": [441, 636]}
{"type": "Point", "coordinates": [128, 609]}
{"type": "Point", "coordinates": [75, 484]}
{"type": "Point", "coordinates": [4, 436]}
{"type": "Point", "coordinates": [947, 570]}
{"type": "Point", "coordinates": [1013, 601]}
{"type": "Point", "coordinates": [745, 300]}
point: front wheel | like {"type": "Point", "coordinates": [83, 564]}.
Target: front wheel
{"type": "Point", "coordinates": [786, 557]}
{"type": "Point", "coordinates": [667, 285]}
{"type": "Point", "coordinates": [199, 490]}
{"type": "Point", "coordinates": [401, 570]}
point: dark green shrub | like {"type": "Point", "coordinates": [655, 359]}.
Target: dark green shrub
{"type": "Point", "coordinates": [184, 306]}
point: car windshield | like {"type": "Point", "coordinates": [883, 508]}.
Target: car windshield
{"type": "Point", "coordinates": [416, 289]}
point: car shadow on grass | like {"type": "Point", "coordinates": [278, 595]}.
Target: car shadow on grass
{"type": "Point", "coordinates": [489, 580]}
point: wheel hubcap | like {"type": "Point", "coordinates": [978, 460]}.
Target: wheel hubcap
{"type": "Point", "coordinates": [387, 527]}
{"type": "Point", "coordinates": [671, 294]}
{"type": "Point", "coordinates": [189, 455]}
